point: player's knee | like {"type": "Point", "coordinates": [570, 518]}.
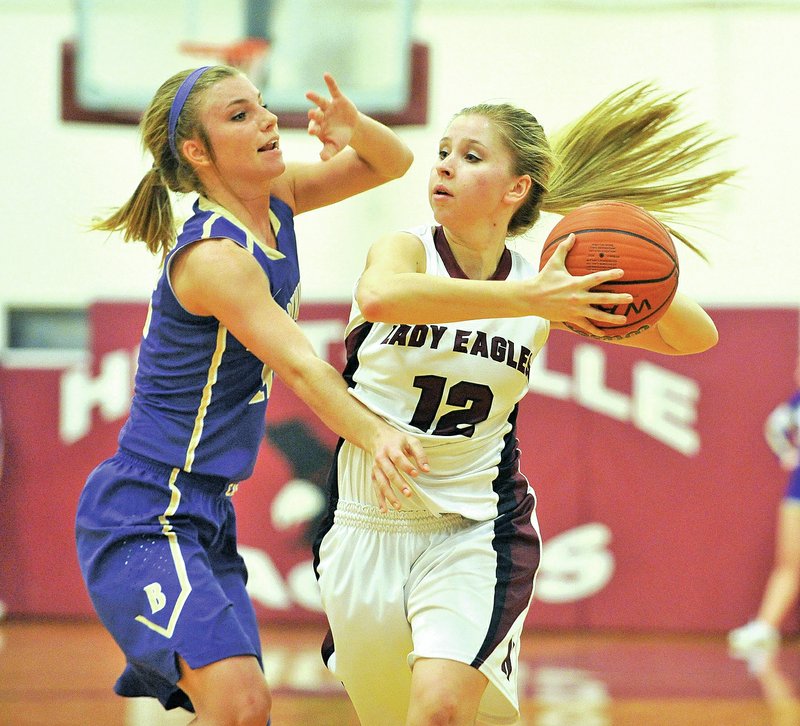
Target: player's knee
{"type": "Point", "coordinates": [253, 707]}
{"type": "Point", "coordinates": [246, 712]}
{"type": "Point", "coordinates": [440, 707]}
{"type": "Point", "coordinates": [245, 705]}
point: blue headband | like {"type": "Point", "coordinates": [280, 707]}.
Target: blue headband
{"type": "Point", "coordinates": [177, 104]}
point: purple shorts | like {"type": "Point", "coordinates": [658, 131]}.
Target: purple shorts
{"type": "Point", "coordinates": [157, 550]}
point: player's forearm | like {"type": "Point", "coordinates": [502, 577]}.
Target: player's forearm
{"type": "Point", "coordinates": [382, 149]}
{"type": "Point", "coordinates": [413, 298]}
{"type": "Point", "coordinates": [324, 390]}
{"type": "Point", "coordinates": [686, 327]}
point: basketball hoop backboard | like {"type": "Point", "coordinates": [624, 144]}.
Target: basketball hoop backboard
{"type": "Point", "coordinates": [124, 49]}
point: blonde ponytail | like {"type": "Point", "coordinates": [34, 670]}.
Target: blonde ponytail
{"type": "Point", "coordinates": [148, 214]}
{"type": "Point", "coordinates": [633, 147]}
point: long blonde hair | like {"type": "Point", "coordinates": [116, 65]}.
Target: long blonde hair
{"type": "Point", "coordinates": [148, 215]}
{"type": "Point", "coordinates": [633, 146]}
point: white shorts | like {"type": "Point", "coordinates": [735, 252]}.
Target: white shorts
{"type": "Point", "coordinates": [398, 586]}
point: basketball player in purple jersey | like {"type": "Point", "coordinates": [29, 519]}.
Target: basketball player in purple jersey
{"type": "Point", "coordinates": [155, 527]}
{"type": "Point", "coordinates": [426, 604]}
{"type": "Point", "coordinates": [763, 633]}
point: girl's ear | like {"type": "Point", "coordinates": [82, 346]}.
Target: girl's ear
{"type": "Point", "coordinates": [195, 152]}
{"type": "Point", "coordinates": [519, 190]}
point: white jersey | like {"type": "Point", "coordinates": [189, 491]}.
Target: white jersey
{"type": "Point", "coordinates": [456, 387]}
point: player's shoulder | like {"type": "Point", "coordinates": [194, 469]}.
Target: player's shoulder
{"type": "Point", "coordinates": [521, 266]}
{"type": "Point", "coordinates": [420, 231]}
{"type": "Point", "coordinates": [409, 238]}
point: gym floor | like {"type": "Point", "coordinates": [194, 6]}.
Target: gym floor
{"type": "Point", "coordinates": [60, 673]}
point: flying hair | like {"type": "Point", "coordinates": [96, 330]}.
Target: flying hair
{"type": "Point", "coordinates": [634, 146]}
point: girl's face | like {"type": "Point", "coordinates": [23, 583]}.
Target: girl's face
{"type": "Point", "coordinates": [473, 175]}
{"type": "Point", "coordinates": [242, 132]}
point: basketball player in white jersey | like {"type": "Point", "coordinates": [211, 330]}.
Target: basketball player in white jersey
{"type": "Point", "coordinates": [426, 594]}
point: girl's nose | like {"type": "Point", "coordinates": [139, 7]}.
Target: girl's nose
{"type": "Point", "coordinates": [443, 167]}
{"type": "Point", "coordinates": [268, 119]}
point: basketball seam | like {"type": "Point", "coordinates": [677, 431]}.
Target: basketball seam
{"type": "Point", "coordinates": [652, 242]}
{"type": "Point", "coordinates": [623, 281]}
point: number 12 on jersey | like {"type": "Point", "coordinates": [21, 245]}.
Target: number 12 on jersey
{"type": "Point", "coordinates": [473, 399]}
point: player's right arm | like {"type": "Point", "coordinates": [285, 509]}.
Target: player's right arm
{"type": "Point", "coordinates": [358, 153]}
{"type": "Point", "coordinates": [393, 289]}
{"type": "Point", "coordinates": [219, 278]}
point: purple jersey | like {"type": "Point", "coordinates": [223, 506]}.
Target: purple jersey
{"type": "Point", "coordinates": [200, 396]}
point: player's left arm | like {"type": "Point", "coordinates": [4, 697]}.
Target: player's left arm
{"type": "Point", "coordinates": [684, 329]}
{"type": "Point", "coordinates": [358, 153]}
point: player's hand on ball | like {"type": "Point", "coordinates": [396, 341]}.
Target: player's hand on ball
{"type": "Point", "coordinates": [570, 299]}
{"type": "Point", "coordinates": [611, 235]}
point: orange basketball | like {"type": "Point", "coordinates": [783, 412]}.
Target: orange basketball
{"type": "Point", "coordinates": [612, 235]}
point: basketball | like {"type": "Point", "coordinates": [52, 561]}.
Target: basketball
{"type": "Point", "coordinates": [611, 234]}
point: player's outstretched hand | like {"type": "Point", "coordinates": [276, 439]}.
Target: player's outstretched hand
{"type": "Point", "coordinates": [397, 457]}
{"type": "Point", "coordinates": [565, 298]}
{"type": "Point", "coordinates": [333, 120]}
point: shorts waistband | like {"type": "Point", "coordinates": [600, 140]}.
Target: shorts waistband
{"type": "Point", "coordinates": [364, 516]}
{"type": "Point", "coordinates": [212, 484]}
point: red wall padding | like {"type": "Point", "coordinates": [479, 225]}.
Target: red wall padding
{"type": "Point", "coordinates": [657, 494]}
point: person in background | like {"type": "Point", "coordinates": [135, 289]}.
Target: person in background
{"type": "Point", "coordinates": [782, 433]}
{"type": "Point", "coordinates": [3, 607]}
{"type": "Point", "coordinates": [155, 526]}
{"type": "Point", "coordinates": [426, 591]}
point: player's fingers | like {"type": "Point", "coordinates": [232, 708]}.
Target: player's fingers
{"type": "Point", "coordinates": [587, 328]}
{"type": "Point", "coordinates": [333, 87]}
{"type": "Point", "coordinates": [417, 453]}
{"type": "Point", "coordinates": [609, 300]}
{"type": "Point", "coordinates": [317, 100]}
{"type": "Point", "coordinates": [606, 316]}
{"type": "Point", "coordinates": [563, 248]}
{"type": "Point", "coordinates": [593, 279]}
{"type": "Point", "coordinates": [329, 150]}
{"type": "Point", "coordinates": [386, 496]}
{"type": "Point", "coordinates": [393, 469]}
{"type": "Point", "coordinates": [403, 461]}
